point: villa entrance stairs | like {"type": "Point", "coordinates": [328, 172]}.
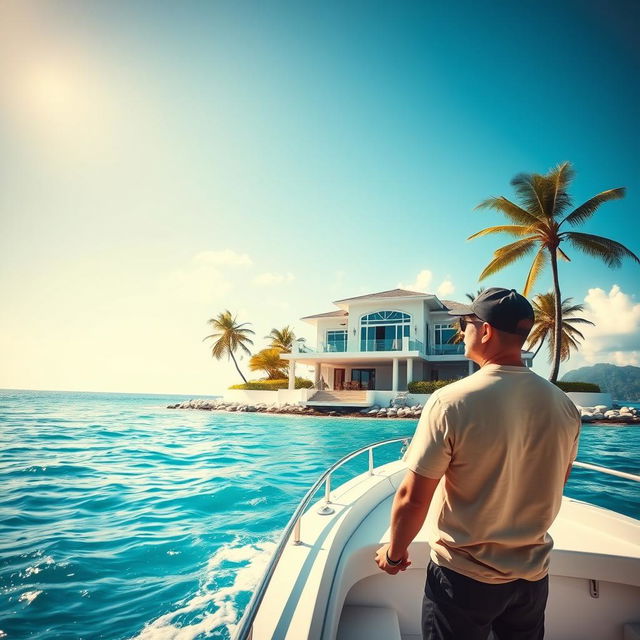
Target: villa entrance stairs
{"type": "Point", "coordinates": [328, 398]}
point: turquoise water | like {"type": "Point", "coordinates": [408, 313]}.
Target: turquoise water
{"type": "Point", "coordinates": [122, 519]}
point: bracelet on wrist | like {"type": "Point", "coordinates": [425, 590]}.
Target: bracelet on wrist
{"type": "Point", "coordinates": [393, 563]}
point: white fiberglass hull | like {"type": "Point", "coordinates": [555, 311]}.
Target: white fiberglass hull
{"type": "Point", "coordinates": [320, 588]}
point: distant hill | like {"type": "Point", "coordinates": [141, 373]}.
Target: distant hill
{"type": "Point", "coordinates": [623, 383]}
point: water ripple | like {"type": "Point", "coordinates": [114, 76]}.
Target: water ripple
{"type": "Point", "coordinates": [120, 519]}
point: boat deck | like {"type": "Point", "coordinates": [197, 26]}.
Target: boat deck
{"type": "Point", "coordinates": [320, 586]}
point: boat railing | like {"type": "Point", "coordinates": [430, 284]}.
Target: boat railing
{"type": "Point", "coordinates": [245, 628]}
{"type": "Point", "coordinates": [610, 472]}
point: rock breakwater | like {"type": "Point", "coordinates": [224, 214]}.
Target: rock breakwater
{"type": "Point", "coordinates": [601, 413]}
{"type": "Point", "coordinates": [374, 411]}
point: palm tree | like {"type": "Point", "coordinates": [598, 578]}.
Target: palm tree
{"type": "Point", "coordinates": [282, 339]}
{"type": "Point", "coordinates": [537, 222]}
{"type": "Point", "coordinates": [473, 297]}
{"type": "Point", "coordinates": [544, 306]}
{"type": "Point", "coordinates": [229, 336]}
{"type": "Point", "coordinates": [269, 361]}
{"type": "Point", "coordinates": [458, 338]}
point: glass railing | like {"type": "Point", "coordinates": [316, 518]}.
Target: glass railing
{"type": "Point", "coordinates": [447, 349]}
{"type": "Point", "coordinates": [366, 346]}
{"type": "Point", "coordinates": [398, 344]}
{"type": "Point", "coordinates": [371, 346]}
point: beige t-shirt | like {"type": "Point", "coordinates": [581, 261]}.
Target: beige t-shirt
{"type": "Point", "coordinates": [503, 439]}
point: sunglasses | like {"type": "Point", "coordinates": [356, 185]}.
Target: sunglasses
{"type": "Point", "coordinates": [464, 322]}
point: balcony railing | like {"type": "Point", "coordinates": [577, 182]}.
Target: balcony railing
{"type": "Point", "coordinates": [447, 349]}
{"type": "Point", "coordinates": [366, 346]}
{"type": "Point", "coordinates": [398, 344]}
{"type": "Point", "coordinates": [372, 346]}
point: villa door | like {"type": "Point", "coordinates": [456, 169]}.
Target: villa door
{"type": "Point", "coordinates": [338, 379]}
{"type": "Point", "coordinates": [366, 378]}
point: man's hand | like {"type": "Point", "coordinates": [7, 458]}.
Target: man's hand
{"type": "Point", "coordinates": [391, 569]}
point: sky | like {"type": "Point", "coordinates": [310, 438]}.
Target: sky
{"type": "Point", "coordinates": [161, 162]}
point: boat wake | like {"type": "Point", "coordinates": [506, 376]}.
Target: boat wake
{"type": "Point", "coordinates": [214, 608]}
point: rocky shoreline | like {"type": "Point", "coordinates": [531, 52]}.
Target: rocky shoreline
{"type": "Point", "coordinates": [602, 414]}
{"type": "Point", "coordinates": [375, 411]}
{"type": "Point", "coordinates": [599, 414]}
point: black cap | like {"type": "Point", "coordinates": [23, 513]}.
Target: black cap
{"type": "Point", "coordinates": [504, 309]}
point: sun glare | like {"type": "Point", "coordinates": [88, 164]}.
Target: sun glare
{"type": "Point", "coordinates": [52, 91]}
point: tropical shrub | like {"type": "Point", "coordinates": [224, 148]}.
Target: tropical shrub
{"type": "Point", "coordinates": [588, 387]}
{"type": "Point", "coordinates": [427, 386]}
{"type": "Point", "coordinates": [272, 385]}
{"type": "Point", "coordinates": [269, 361]}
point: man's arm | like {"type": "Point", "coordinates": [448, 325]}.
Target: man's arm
{"type": "Point", "coordinates": [409, 510]}
{"type": "Point", "coordinates": [566, 475]}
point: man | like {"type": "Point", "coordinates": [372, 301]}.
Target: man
{"type": "Point", "coordinates": [491, 454]}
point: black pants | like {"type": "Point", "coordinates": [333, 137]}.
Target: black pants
{"type": "Point", "coordinates": [458, 608]}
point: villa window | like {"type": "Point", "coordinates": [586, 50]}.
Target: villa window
{"type": "Point", "coordinates": [385, 331]}
{"type": "Point", "coordinates": [444, 334]}
{"type": "Point", "coordinates": [337, 340]}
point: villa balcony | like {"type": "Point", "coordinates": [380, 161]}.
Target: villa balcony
{"type": "Point", "coordinates": [378, 346]}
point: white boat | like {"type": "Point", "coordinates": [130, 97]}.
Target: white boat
{"type": "Point", "coordinates": [322, 582]}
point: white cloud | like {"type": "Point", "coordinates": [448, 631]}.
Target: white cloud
{"type": "Point", "coordinates": [199, 282]}
{"type": "Point", "coordinates": [423, 280]}
{"type": "Point", "coordinates": [445, 288]}
{"type": "Point", "coordinates": [226, 257]}
{"type": "Point", "coordinates": [616, 335]}
{"type": "Point", "coordinates": [271, 279]}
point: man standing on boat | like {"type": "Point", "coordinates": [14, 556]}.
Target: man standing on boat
{"type": "Point", "coordinates": [490, 456]}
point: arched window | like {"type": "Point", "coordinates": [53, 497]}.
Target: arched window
{"type": "Point", "coordinates": [384, 331]}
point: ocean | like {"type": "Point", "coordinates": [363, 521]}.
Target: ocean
{"type": "Point", "coordinates": [122, 519]}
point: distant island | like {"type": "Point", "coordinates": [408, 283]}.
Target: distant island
{"type": "Point", "coordinates": [623, 383]}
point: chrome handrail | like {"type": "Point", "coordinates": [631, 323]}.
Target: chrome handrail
{"type": "Point", "coordinates": [245, 628]}
{"type": "Point", "coordinates": [611, 472]}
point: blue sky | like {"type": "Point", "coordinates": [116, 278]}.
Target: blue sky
{"type": "Point", "coordinates": [164, 161]}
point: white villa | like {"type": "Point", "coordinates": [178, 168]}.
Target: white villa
{"type": "Point", "coordinates": [381, 342]}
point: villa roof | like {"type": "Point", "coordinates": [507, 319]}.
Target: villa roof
{"type": "Point", "coordinates": [444, 305]}
{"type": "Point", "coordinates": [329, 314]}
{"type": "Point", "coordinates": [392, 293]}
{"type": "Point", "coordinates": [451, 304]}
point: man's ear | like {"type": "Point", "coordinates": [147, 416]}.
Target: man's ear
{"type": "Point", "coordinates": [487, 332]}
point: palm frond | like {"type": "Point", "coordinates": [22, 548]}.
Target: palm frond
{"type": "Point", "coordinates": [537, 266]}
{"type": "Point", "coordinates": [514, 230]}
{"type": "Point", "coordinates": [531, 192]}
{"type": "Point", "coordinates": [508, 254]}
{"type": "Point", "coordinates": [510, 209]}
{"type": "Point", "coordinates": [572, 331]}
{"type": "Point", "coordinates": [559, 178]}
{"type": "Point", "coordinates": [269, 361]}
{"type": "Point", "coordinates": [282, 339]}
{"type": "Point", "coordinates": [586, 210]}
{"type": "Point", "coordinates": [537, 335]}
{"type": "Point", "coordinates": [472, 297]}
{"type": "Point", "coordinates": [561, 254]}
{"type": "Point", "coordinates": [228, 335]}
{"type": "Point", "coordinates": [573, 308]}
{"type": "Point", "coordinates": [609, 251]}
{"type": "Point", "coordinates": [571, 321]}
{"type": "Point", "coordinates": [544, 308]}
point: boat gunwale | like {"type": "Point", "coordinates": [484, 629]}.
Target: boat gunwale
{"type": "Point", "coordinates": [245, 627]}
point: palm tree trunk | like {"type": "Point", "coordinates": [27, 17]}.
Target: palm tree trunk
{"type": "Point", "coordinates": [557, 328]}
{"type": "Point", "coordinates": [237, 367]}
